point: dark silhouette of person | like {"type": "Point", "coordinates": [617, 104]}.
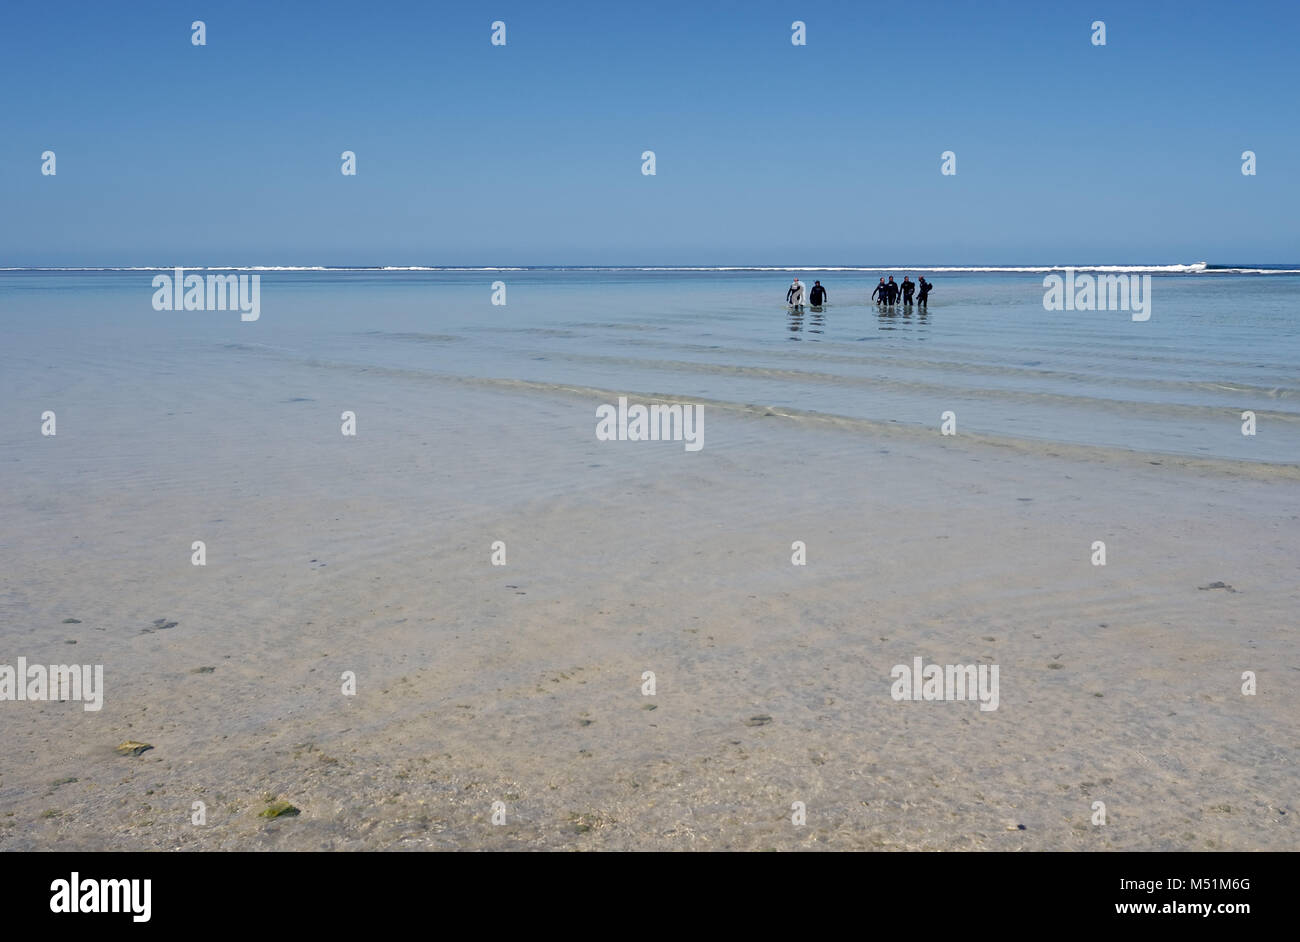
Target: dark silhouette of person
{"type": "Point", "coordinates": [907, 287]}
{"type": "Point", "coordinates": [817, 295]}
{"type": "Point", "coordinates": [892, 289]}
{"type": "Point", "coordinates": [881, 289]}
{"type": "Point", "coordinates": [923, 293]}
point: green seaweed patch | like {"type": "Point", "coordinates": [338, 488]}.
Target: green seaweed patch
{"type": "Point", "coordinates": [72, 621]}
{"type": "Point", "coordinates": [280, 809]}
{"type": "Point", "coordinates": [133, 748]}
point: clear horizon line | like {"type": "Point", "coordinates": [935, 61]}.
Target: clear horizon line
{"type": "Point", "coordinates": [1172, 268]}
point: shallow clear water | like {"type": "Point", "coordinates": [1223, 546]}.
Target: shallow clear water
{"type": "Point", "coordinates": [1215, 345]}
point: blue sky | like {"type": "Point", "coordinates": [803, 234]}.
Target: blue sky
{"type": "Point", "coordinates": [766, 152]}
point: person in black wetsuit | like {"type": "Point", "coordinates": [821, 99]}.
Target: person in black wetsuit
{"type": "Point", "coordinates": [908, 286]}
{"type": "Point", "coordinates": [892, 290]}
{"type": "Point", "coordinates": [794, 296]}
{"type": "Point", "coordinates": [923, 292]}
{"type": "Point", "coordinates": [817, 295]}
{"type": "Point", "coordinates": [881, 290]}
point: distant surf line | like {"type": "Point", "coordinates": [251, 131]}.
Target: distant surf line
{"type": "Point", "coordinates": [1195, 268]}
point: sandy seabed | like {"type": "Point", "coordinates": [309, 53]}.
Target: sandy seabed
{"type": "Point", "coordinates": [522, 684]}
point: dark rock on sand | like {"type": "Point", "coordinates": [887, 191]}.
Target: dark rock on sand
{"type": "Point", "coordinates": [1217, 585]}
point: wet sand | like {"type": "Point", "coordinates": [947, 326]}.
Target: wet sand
{"type": "Point", "coordinates": [522, 684]}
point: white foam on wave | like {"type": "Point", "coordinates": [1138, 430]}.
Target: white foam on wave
{"type": "Point", "coordinates": [1195, 268]}
{"type": "Point", "coordinates": [285, 268]}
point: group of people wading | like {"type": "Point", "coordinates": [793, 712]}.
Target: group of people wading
{"type": "Point", "coordinates": [887, 293]}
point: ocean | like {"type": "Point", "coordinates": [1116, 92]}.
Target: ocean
{"type": "Point", "coordinates": [454, 610]}
{"type": "Point", "coordinates": [1218, 343]}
